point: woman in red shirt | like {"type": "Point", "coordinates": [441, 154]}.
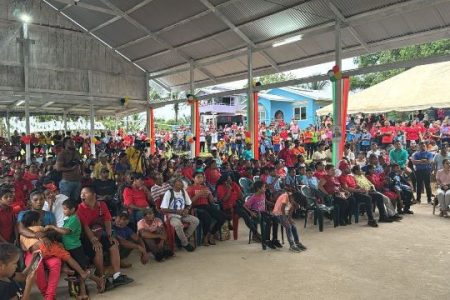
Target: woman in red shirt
{"type": "Point", "coordinates": [203, 200]}
{"type": "Point", "coordinates": [330, 186]}
{"type": "Point", "coordinates": [228, 193]}
{"type": "Point", "coordinates": [212, 174]}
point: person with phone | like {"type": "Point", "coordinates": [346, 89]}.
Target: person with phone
{"type": "Point", "coordinates": [9, 289]}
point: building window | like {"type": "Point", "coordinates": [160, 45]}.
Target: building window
{"type": "Point", "coordinates": [300, 113]}
{"type": "Point", "coordinates": [262, 113]}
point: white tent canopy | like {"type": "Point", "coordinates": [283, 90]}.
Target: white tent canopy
{"type": "Point", "coordinates": [419, 88]}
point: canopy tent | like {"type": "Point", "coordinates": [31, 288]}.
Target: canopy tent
{"type": "Point", "coordinates": [419, 88]}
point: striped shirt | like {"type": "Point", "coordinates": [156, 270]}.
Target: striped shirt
{"type": "Point", "coordinates": [158, 191]}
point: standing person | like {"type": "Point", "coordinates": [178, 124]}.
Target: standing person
{"type": "Point", "coordinates": [54, 202]}
{"type": "Point", "coordinates": [7, 216]}
{"type": "Point", "coordinates": [68, 162]}
{"type": "Point", "coordinates": [387, 134]}
{"type": "Point", "coordinates": [176, 204]}
{"type": "Point", "coordinates": [398, 155]}
{"type": "Point", "coordinates": [96, 219]}
{"type": "Point", "coordinates": [366, 138]}
{"type": "Point", "coordinates": [422, 161]}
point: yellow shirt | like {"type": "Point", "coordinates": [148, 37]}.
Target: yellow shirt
{"type": "Point", "coordinates": [364, 183]}
{"type": "Point", "coordinates": [135, 159]}
{"type": "Point", "coordinates": [27, 243]}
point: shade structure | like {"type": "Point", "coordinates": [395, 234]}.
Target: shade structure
{"type": "Point", "coordinates": [419, 88]}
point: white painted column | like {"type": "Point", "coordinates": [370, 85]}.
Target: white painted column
{"type": "Point", "coordinates": [92, 126]}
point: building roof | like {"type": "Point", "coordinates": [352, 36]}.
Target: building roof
{"type": "Point", "coordinates": [166, 37]}
{"type": "Point", "coordinates": [312, 94]}
{"type": "Point", "coordinates": [418, 88]}
{"type": "Point", "coordinates": [273, 97]}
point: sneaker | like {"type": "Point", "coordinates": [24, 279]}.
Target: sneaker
{"type": "Point", "coordinates": [108, 284]}
{"type": "Point", "coordinates": [409, 212]}
{"type": "Point", "coordinates": [270, 244]}
{"type": "Point", "coordinates": [189, 248]}
{"type": "Point", "coordinates": [122, 280]}
{"type": "Point", "coordinates": [373, 223]}
{"type": "Point", "coordinates": [277, 243]}
{"type": "Point", "coordinates": [385, 220]}
{"type": "Point", "coordinates": [301, 246]}
{"type": "Point", "coordinates": [396, 217]}
{"type": "Point", "coordinates": [294, 248]}
{"type": "Point", "coordinates": [159, 256]}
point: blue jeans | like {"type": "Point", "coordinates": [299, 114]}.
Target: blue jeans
{"type": "Point", "coordinates": [71, 189]}
{"type": "Point", "coordinates": [291, 229]}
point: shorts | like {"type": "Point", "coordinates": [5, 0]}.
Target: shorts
{"type": "Point", "coordinates": [87, 245]}
{"type": "Point", "coordinates": [80, 257]}
{"type": "Point", "coordinates": [55, 250]}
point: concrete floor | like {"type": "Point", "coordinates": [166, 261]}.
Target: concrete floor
{"type": "Point", "coordinates": [404, 260]}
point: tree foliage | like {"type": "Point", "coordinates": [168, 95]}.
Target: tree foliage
{"type": "Point", "coordinates": [316, 85]}
{"type": "Point", "coordinates": [274, 78]}
{"type": "Point", "coordinates": [411, 52]}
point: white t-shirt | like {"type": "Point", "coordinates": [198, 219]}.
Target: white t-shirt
{"type": "Point", "coordinates": [57, 209]}
{"type": "Point", "coordinates": [376, 152]}
{"type": "Point", "coordinates": [179, 202]}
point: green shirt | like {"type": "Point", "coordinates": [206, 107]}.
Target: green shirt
{"type": "Point", "coordinates": [72, 240]}
{"type": "Point", "coordinates": [399, 156]}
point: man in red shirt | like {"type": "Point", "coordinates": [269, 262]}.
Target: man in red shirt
{"type": "Point", "coordinates": [387, 134]}
{"type": "Point", "coordinates": [7, 216]}
{"type": "Point", "coordinates": [286, 155]}
{"type": "Point", "coordinates": [95, 220]}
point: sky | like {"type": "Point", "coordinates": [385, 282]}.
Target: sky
{"type": "Point", "coordinates": [168, 113]}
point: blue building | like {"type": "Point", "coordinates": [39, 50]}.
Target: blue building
{"type": "Point", "coordinates": [292, 103]}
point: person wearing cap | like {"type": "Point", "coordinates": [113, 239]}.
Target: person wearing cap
{"type": "Point", "coordinates": [54, 202]}
{"type": "Point", "coordinates": [422, 161]}
{"type": "Point", "coordinates": [105, 189]}
{"type": "Point", "coordinates": [102, 164]}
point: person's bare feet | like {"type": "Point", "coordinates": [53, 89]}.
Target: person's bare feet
{"type": "Point", "coordinates": [85, 275]}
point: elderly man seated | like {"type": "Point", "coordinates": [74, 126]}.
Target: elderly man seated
{"type": "Point", "coordinates": [443, 191]}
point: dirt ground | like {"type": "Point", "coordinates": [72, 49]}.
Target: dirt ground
{"type": "Point", "coordinates": [403, 260]}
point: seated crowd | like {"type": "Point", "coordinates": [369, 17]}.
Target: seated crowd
{"type": "Point", "coordinates": [82, 213]}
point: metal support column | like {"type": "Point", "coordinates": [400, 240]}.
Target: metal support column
{"type": "Point", "coordinates": [65, 121]}
{"type": "Point", "coordinates": [337, 120]}
{"type": "Point", "coordinates": [193, 111]}
{"type": "Point", "coordinates": [92, 126]}
{"type": "Point", "coordinates": [250, 99]}
{"type": "Point", "coordinates": [8, 126]}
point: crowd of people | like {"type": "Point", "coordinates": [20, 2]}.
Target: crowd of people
{"type": "Point", "coordinates": [78, 211]}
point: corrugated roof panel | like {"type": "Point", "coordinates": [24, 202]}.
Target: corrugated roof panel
{"type": "Point", "coordinates": [86, 17]}
{"type": "Point", "coordinates": [161, 13]}
{"type": "Point", "coordinates": [246, 10]}
{"type": "Point", "coordinates": [125, 5]}
{"type": "Point", "coordinates": [177, 79]}
{"type": "Point", "coordinates": [119, 32]}
{"type": "Point", "coordinates": [372, 31]}
{"type": "Point", "coordinates": [163, 61]}
{"type": "Point", "coordinates": [443, 10]}
{"type": "Point", "coordinates": [228, 67]}
{"type": "Point", "coordinates": [57, 4]}
{"type": "Point", "coordinates": [199, 75]}
{"type": "Point", "coordinates": [285, 22]}
{"type": "Point", "coordinates": [219, 44]}
{"type": "Point", "coordinates": [259, 61]}
{"type": "Point", "coordinates": [286, 52]}
{"type": "Point", "coordinates": [352, 7]}
{"type": "Point", "coordinates": [95, 3]}
{"type": "Point", "coordinates": [421, 20]}
{"type": "Point", "coordinates": [146, 47]}
{"type": "Point", "coordinates": [196, 29]}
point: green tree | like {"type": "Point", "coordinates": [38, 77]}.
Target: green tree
{"type": "Point", "coordinates": [316, 85]}
{"type": "Point", "coordinates": [274, 78]}
{"type": "Point", "coordinates": [411, 52]}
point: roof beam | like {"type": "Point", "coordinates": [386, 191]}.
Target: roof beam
{"type": "Point", "coordinates": [352, 30]}
{"type": "Point", "coordinates": [85, 5]}
{"type": "Point", "coordinates": [158, 39]}
{"type": "Point", "coordinates": [174, 25]}
{"type": "Point", "coordinates": [236, 30]}
{"type": "Point", "coordinates": [369, 16]}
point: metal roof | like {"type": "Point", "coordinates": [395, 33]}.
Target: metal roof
{"type": "Point", "coordinates": [166, 37]}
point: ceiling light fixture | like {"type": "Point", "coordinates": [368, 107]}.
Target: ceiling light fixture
{"type": "Point", "coordinates": [47, 104]}
{"type": "Point", "coordinates": [289, 40]}
{"type": "Point", "coordinates": [25, 18]}
{"type": "Point", "coordinates": [20, 102]}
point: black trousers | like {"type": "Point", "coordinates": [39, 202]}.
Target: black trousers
{"type": "Point", "coordinates": [269, 221]}
{"type": "Point", "coordinates": [423, 178]}
{"type": "Point", "coordinates": [343, 205]}
{"type": "Point", "coordinates": [249, 221]}
{"type": "Point", "coordinates": [207, 214]}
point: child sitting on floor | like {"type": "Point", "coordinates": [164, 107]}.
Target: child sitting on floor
{"type": "Point", "coordinates": [31, 220]}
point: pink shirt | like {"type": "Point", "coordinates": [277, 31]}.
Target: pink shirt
{"type": "Point", "coordinates": [443, 177]}
{"type": "Point", "coordinates": [256, 203]}
{"type": "Point", "coordinates": [157, 223]}
{"type": "Point", "coordinates": [282, 199]}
